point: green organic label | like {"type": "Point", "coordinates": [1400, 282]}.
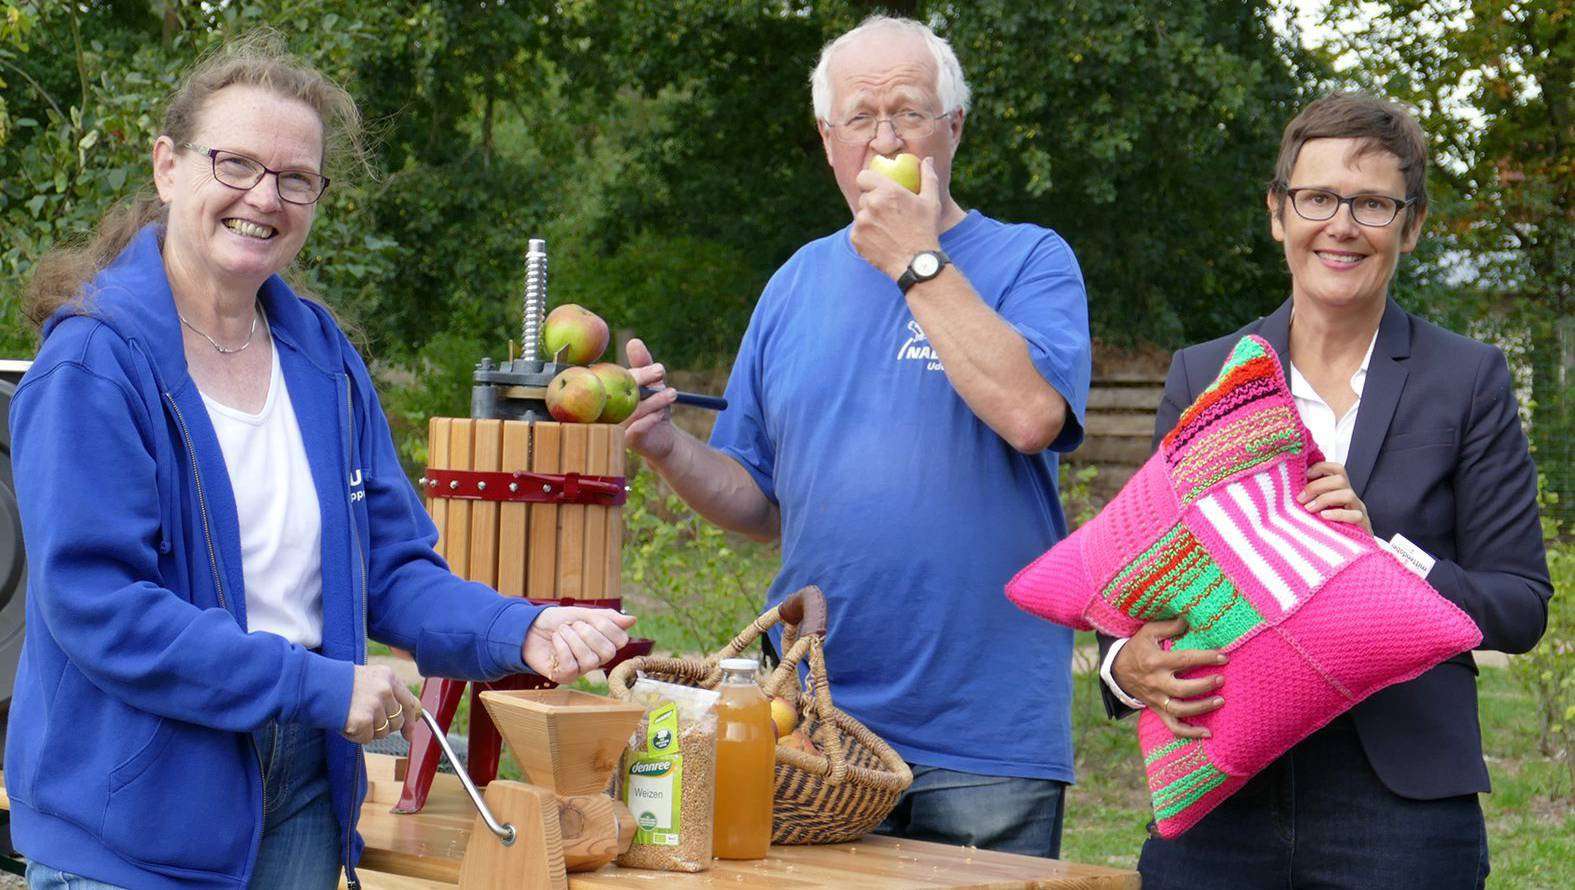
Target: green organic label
{"type": "Point", "coordinates": [662, 728]}
{"type": "Point", "coordinates": [652, 788]}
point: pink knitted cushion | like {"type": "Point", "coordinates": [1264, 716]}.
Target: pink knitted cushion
{"type": "Point", "coordinates": [1315, 615]}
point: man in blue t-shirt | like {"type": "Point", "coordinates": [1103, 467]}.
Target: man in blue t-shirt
{"type": "Point", "coordinates": [894, 413]}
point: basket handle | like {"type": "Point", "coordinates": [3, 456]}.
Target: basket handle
{"type": "Point", "coordinates": [808, 604]}
{"type": "Point", "coordinates": [819, 704]}
{"type": "Point", "coordinates": [806, 610]}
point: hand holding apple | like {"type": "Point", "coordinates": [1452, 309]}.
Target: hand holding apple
{"type": "Point", "coordinates": [649, 430]}
{"type": "Point", "coordinates": [902, 169]}
{"type": "Point", "coordinates": [893, 224]}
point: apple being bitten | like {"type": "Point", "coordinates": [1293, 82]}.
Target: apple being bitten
{"type": "Point", "coordinates": [578, 332]}
{"type": "Point", "coordinates": [576, 396]}
{"type": "Point", "coordinates": [902, 169]}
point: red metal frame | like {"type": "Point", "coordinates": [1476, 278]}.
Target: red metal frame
{"type": "Point", "coordinates": [523, 487]}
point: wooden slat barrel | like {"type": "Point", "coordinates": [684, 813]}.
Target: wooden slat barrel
{"type": "Point", "coordinates": [536, 550]}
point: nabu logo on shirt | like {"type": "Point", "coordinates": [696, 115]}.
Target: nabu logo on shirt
{"type": "Point", "coordinates": [357, 490]}
{"type": "Point", "coordinates": [917, 348]}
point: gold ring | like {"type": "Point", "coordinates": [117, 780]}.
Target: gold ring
{"type": "Point", "coordinates": [397, 712]}
{"type": "Point", "coordinates": [1165, 705]}
{"type": "Point", "coordinates": [378, 729]}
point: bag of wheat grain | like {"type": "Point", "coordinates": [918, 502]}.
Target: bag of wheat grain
{"type": "Point", "coordinates": [668, 777]}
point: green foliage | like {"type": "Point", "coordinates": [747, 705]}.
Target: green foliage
{"type": "Point", "coordinates": [1548, 671]}
{"type": "Point", "coordinates": [669, 155]}
{"type": "Point", "coordinates": [1494, 86]}
{"type": "Point", "coordinates": [693, 585]}
{"type": "Point", "coordinates": [435, 384]}
{"type": "Point", "coordinates": [84, 89]}
{"type": "Point", "coordinates": [693, 296]}
{"type": "Point", "coordinates": [1530, 818]}
{"type": "Point", "coordinates": [1077, 496]}
{"type": "Point", "coordinates": [1145, 133]}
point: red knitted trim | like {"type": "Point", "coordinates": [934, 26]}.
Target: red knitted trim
{"type": "Point", "coordinates": [1253, 369]}
{"type": "Point", "coordinates": [1153, 577]}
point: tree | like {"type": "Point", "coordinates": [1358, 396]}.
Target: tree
{"type": "Point", "coordinates": [1493, 82]}
{"type": "Point", "coordinates": [669, 154]}
{"type": "Point", "coordinates": [1144, 133]}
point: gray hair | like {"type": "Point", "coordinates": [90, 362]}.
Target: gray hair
{"type": "Point", "coordinates": [950, 85]}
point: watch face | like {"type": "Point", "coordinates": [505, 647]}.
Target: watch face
{"type": "Point", "coordinates": [925, 265]}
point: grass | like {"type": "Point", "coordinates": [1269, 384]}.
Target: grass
{"type": "Point", "coordinates": [1530, 814]}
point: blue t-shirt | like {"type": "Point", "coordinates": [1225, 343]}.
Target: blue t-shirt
{"type": "Point", "coordinates": [904, 507]}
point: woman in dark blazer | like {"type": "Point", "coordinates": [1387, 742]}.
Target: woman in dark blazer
{"type": "Point", "coordinates": [1423, 441]}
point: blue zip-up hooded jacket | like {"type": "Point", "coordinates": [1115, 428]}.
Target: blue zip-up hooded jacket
{"type": "Point", "coordinates": [129, 757]}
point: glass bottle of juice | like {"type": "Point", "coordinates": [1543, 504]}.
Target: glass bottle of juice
{"type": "Point", "coordinates": [745, 765]}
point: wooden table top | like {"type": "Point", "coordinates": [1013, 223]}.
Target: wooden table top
{"type": "Point", "coordinates": [424, 850]}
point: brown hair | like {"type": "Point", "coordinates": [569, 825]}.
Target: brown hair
{"type": "Point", "coordinates": [1380, 125]}
{"type": "Point", "coordinates": [258, 58]}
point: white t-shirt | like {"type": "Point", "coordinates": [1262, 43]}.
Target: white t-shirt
{"type": "Point", "coordinates": [276, 503]}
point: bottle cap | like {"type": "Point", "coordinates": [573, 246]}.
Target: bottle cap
{"type": "Point", "coordinates": [740, 664]}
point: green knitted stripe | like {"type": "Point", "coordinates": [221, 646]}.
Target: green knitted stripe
{"type": "Point", "coordinates": [1281, 442]}
{"type": "Point", "coordinates": [1143, 562]}
{"type": "Point", "coordinates": [1164, 749]}
{"type": "Point", "coordinates": [1163, 591]}
{"type": "Point", "coordinates": [1196, 584]}
{"type": "Point", "coordinates": [1186, 791]}
{"type": "Point", "coordinates": [1220, 617]}
{"type": "Point", "coordinates": [1186, 582]}
{"type": "Point", "coordinates": [1158, 590]}
{"type": "Point", "coordinates": [1245, 351]}
{"type": "Point", "coordinates": [1185, 786]}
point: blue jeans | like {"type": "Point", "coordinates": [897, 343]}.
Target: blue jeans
{"type": "Point", "coordinates": [42, 877]}
{"type": "Point", "coordinates": [1320, 817]}
{"type": "Point", "coordinates": [300, 844]}
{"type": "Point", "coordinates": [1002, 813]}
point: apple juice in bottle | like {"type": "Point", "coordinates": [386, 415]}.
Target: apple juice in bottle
{"type": "Point", "coordinates": [745, 765]}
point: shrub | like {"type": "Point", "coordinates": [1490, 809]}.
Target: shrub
{"type": "Point", "coordinates": [693, 585]}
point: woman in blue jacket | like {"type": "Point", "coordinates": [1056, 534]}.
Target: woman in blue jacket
{"type": "Point", "coordinates": [216, 520]}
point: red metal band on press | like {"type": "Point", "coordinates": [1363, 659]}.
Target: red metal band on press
{"type": "Point", "coordinates": [523, 487]}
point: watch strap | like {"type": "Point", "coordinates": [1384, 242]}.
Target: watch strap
{"type": "Point", "coordinates": [909, 277]}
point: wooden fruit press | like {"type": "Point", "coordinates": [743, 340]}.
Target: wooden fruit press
{"type": "Point", "coordinates": [523, 505]}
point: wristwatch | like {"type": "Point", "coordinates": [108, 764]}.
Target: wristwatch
{"type": "Point", "coordinates": [924, 266]}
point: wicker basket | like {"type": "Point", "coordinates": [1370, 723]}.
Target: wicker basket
{"type": "Point", "coordinates": [837, 795]}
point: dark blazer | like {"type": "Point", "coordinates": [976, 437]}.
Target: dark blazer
{"type": "Point", "coordinates": [1437, 455]}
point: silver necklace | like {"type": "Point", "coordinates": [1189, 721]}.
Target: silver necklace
{"type": "Point", "coordinates": [214, 343]}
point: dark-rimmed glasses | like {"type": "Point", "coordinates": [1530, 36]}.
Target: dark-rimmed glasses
{"type": "Point", "coordinates": [860, 129]}
{"type": "Point", "coordinates": [1374, 211]}
{"type": "Point", "coordinates": [240, 172]}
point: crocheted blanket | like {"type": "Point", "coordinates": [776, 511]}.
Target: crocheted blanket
{"type": "Point", "coordinates": [1315, 615]}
